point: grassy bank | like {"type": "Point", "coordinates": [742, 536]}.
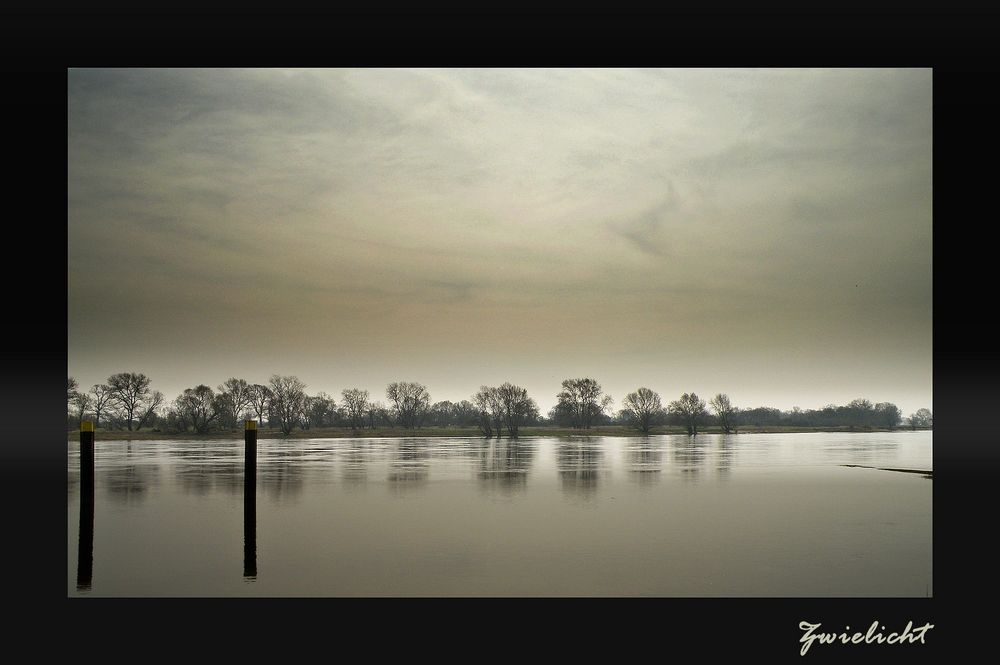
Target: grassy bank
{"type": "Point", "coordinates": [341, 432]}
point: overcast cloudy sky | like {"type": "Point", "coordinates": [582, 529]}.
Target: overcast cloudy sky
{"type": "Point", "coordinates": [764, 233]}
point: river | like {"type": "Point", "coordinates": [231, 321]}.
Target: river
{"type": "Point", "coordinates": [711, 515]}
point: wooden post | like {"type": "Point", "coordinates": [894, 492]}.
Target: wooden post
{"type": "Point", "coordinates": [85, 552]}
{"type": "Point", "coordinates": [250, 450]}
{"type": "Point", "coordinates": [250, 499]}
{"type": "Point", "coordinates": [87, 445]}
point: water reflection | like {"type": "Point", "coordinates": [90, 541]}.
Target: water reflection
{"type": "Point", "coordinates": [202, 469]}
{"type": "Point", "coordinates": [579, 466]}
{"type": "Point", "coordinates": [72, 484]}
{"type": "Point", "coordinates": [280, 472]}
{"type": "Point", "coordinates": [504, 464]}
{"type": "Point", "coordinates": [643, 460]}
{"type": "Point", "coordinates": [725, 454]}
{"type": "Point", "coordinates": [354, 467]}
{"type": "Point", "coordinates": [654, 513]}
{"type": "Point", "coordinates": [129, 483]}
{"type": "Point", "coordinates": [860, 450]}
{"type": "Point", "coordinates": [689, 456]}
{"type": "Point", "coordinates": [409, 465]}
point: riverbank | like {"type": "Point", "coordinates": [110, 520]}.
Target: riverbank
{"type": "Point", "coordinates": [433, 432]}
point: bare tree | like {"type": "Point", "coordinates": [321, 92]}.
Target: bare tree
{"type": "Point", "coordinates": [441, 413]}
{"type": "Point", "coordinates": [71, 386]}
{"type": "Point", "coordinates": [485, 423]}
{"type": "Point", "coordinates": [198, 407]}
{"type": "Point", "coordinates": [131, 391]}
{"type": "Point", "coordinates": [82, 402]}
{"type": "Point", "coordinates": [287, 399]}
{"type": "Point", "coordinates": [691, 409]}
{"type": "Point", "coordinates": [377, 413]}
{"type": "Point", "coordinates": [355, 402]}
{"type": "Point", "coordinates": [100, 396]}
{"type": "Point", "coordinates": [411, 401]}
{"type": "Point", "coordinates": [464, 413]}
{"type": "Point", "coordinates": [177, 420]}
{"type": "Point", "coordinates": [319, 410]}
{"type": "Point", "coordinates": [234, 400]}
{"type": "Point", "coordinates": [149, 413]}
{"type": "Point", "coordinates": [490, 407]}
{"type": "Point", "coordinates": [149, 408]}
{"type": "Point", "coordinates": [725, 412]}
{"type": "Point", "coordinates": [642, 408]}
{"type": "Point", "coordinates": [581, 402]}
{"type": "Point", "coordinates": [259, 396]}
{"type": "Point", "coordinates": [515, 407]}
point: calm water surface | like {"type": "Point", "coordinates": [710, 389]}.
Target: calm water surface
{"type": "Point", "coordinates": [712, 515]}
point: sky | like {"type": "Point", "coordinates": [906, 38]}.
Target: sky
{"type": "Point", "coordinates": [761, 233]}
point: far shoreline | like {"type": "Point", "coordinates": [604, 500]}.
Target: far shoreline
{"type": "Point", "coordinates": [464, 432]}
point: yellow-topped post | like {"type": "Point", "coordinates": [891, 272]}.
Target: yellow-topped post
{"type": "Point", "coordinates": [87, 446]}
{"type": "Point", "coordinates": [250, 449]}
{"type": "Point", "coordinates": [250, 431]}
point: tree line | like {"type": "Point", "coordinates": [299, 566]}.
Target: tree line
{"type": "Point", "coordinates": [642, 409]}
{"type": "Point", "coordinates": [126, 401]}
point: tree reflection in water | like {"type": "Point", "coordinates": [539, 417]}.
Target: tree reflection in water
{"type": "Point", "coordinates": [689, 454]}
{"type": "Point", "coordinates": [504, 465]}
{"type": "Point", "coordinates": [579, 465]}
{"type": "Point", "coordinates": [128, 472]}
{"type": "Point", "coordinates": [725, 454]}
{"type": "Point", "coordinates": [409, 466]}
{"type": "Point", "coordinates": [280, 470]}
{"type": "Point", "coordinates": [644, 459]}
{"type": "Point", "coordinates": [860, 449]}
{"type": "Point", "coordinates": [354, 464]}
{"type": "Point", "coordinates": [204, 468]}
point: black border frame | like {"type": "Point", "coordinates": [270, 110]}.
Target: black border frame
{"type": "Point", "coordinates": [39, 44]}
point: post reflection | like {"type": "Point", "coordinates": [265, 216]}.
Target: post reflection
{"type": "Point", "coordinates": [644, 460]}
{"type": "Point", "coordinates": [504, 465]}
{"type": "Point", "coordinates": [579, 465]}
{"type": "Point", "coordinates": [85, 551]}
